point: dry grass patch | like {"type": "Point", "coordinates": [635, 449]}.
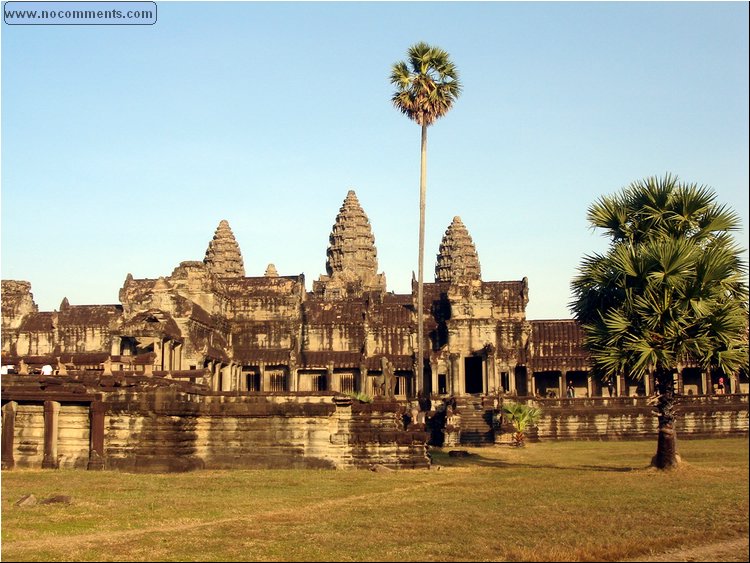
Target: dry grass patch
{"type": "Point", "coordinates": [557, 501]}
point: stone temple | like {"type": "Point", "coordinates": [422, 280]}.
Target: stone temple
{"type": "Point", "coordinates": [227, 345]}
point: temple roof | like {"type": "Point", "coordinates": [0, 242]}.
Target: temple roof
{"type": "Point", "coordinates": [152, 322]}
{"type": "Point", "coordinates": [457, 260]}
{"type": "Point", "coordinates": [557, 345]}
{"type": "Point", "coordinates": [223, 256]}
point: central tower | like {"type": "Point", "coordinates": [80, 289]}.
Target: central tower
{"type": "Point", "coordinates": [351, 259]}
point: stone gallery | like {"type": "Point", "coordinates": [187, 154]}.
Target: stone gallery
{"type": "Point", "coordinates": [207, 367]}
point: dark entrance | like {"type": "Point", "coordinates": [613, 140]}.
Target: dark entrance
{"type": "Point", "coordinates": [522, 387]}
{"type": "Point", "coordinates": [473, 367]}
{"type": "Point", "coordinates": [547, 384]}
{"type": "Point", "coordinates": [442, 384]}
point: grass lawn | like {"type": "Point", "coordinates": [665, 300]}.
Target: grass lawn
{"type": "Point", "coordinates": [551, 501]}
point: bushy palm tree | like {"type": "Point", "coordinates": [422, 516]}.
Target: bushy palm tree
{"type": "Point", "coordinates": [671, 288]}
{"type": "Point", "coordinates": [426, 87]}
{"type": "Point", "coordinates": [521, 417]}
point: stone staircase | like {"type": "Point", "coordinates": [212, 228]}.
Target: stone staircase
{"type": "Point", "coordinates": [476, 421]}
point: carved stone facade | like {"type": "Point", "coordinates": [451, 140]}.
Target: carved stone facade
{"type": "Point", "coordinates": [215, 336]}
{"type": "Point", "coordinates": [209, 323]}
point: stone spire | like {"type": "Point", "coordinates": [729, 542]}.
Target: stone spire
{"type": "Point", "coordinates": [352, 244]}
{"type": "Point", "coordinates": [223, 256]}
{"type": "Point", "coordinates": [271, 272]}
{"type": "Point", "coordinates": [352, 259]}
{"type": "Point", "coordinates": [457, 260]}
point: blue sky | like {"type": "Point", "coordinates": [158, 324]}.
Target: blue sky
{"type": "Point", "coordinates": [124, 146]}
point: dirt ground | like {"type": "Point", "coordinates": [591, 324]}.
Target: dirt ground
{"type": "Point", "coordinates": [728, 550]}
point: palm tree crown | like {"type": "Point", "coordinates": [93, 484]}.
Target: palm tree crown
{"type": "Point", "coordinates": [427, 85]}
{"type": "Point", "coordinates": [670, 288]}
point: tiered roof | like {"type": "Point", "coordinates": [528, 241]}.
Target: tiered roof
{"type": "Point", "coordinates": [352, 244]}
{"type": "Point", "coordinates": [457, 260]}
{"type": "Point", "coordinates": [223, 256]}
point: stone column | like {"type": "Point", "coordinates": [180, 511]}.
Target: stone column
{"type": "Point", "coordinates": [590, 384]}
{"type": "Point", "coordinates": [530, 383]}
{"type": "Point", "coordinates": [434, 369]}
{"type": "Point", "coordinates": [218, 377]}
{"type": "Point", "coordinates": [51, 424]}
{"type": "Point", "coordinates": [96, 436]}
{"type": "Point", "coordinates": [488, 373]}
{"type": "Point", "coordinates": [453, 384]}
{"type": "Point", "coordinates": [331, 383]}
{"type": "Point", "coordinates": [362, 378]}
{"type": "Point", "coordinates": [704, 384]}
{"type": "Point", "coordinates": [293, 374]}
{"type": "Point", "coordinates": [511, 378]}
{"type": "Point", "coordinates": [9, 429]}
{"type": "Point", "coordinates": [620, 385]}
{"type": "Point", "coordinates": [159, 351]}
{"type": "Point", "coordinates": [265, 384]}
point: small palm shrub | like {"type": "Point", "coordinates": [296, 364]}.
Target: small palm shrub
{"type": "Point", "coordinates": [521, 416]}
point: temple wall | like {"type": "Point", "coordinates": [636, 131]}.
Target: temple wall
{"type": "Point", "coordinates": [73, 437]}
{"type": "Point", "coordinates": [35, 343]}
{"type": "Point", "coordinates": [632, 418]}
{"type": "Point", "coordinates": [161, 431]}
{"type": "Point", "coordinates": [266, 308]}
{"type": "Point", "coordinates": [468, 336]}
{"type": "Point", "coordinates": [334, 338]}
{"type": "Point", "coordinates": [76, 339]}
{"type": "Point", "coordinates": [28, 438]}
{"type": "Point", "coordinates": [389, 340]}
{"type": "Point", "coordinates": [262, 335]}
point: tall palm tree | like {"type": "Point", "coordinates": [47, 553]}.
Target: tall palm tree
{"type": "Point", "coordinates": [426, 87]}
{"type": "Point", "coordinates": [671, 287]}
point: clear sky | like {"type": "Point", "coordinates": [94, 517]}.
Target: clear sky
{"type": "Point", "coordinates": [123, 147]}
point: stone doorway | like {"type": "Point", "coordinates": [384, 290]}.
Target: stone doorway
{"type": "Point", "coordinates": [473, 371]}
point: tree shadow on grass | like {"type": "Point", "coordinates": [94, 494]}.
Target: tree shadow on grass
{"type": "Point", "coordinates": [477, 460]}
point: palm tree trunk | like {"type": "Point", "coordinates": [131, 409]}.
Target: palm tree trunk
{"type": "Point", "coordinates": [420, 276]}
{"type": "Point", "coordinates": [666, 450]}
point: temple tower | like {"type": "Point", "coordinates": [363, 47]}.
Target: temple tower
{"type": "Point", "coordinates": [457, 261]}
{"type": "Point", "coordinates": [352, 261]}
{"type": "Point", "coordinates": [271, 271]}
{"type": "Point", "coordinates": [223, 256]}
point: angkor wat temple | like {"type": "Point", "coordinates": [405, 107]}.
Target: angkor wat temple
{"type": "Point", "coordinates": [227, 345]}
